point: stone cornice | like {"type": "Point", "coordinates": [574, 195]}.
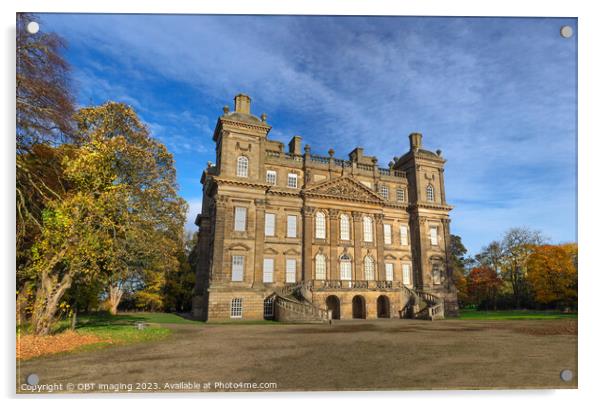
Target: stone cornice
{"type": "Point", "coordinates": [240, 181]}
{"type": "Point", "coordinates": [423, 205]}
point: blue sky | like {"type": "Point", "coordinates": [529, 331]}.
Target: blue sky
{"type": "Point", "coordinates": [497, 95]}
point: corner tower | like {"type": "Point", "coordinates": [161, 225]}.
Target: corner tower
{"type": "Point", "coordinates": [429, 221]}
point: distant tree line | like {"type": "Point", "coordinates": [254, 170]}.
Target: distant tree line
{"type": "Point", "coordinates": [519, 271]}
{"type": "Point", "coordinates": [100, 223]}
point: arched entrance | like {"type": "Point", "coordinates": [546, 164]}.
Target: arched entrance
{"type": "Point", "coordinates": [359, 307]}
{"type": "Point", "coordinates": [383, 307]}
{"type": "Point", "coordinates": [333, 304]}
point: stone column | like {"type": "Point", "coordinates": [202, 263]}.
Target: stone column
{"type": "Point", "coordinates": [442, 185]}
{"type": "Point", "coordinates": [380, 247]}
{"type": "Point", "coordinates": [357, 244]}
{"type": "Point", "coordinates": [426, 281]}
{"type": "Point", "coordinates": [308, 221]}
{"type": "Point", "coordinates": [222, 211]}
{"type": "Point", "coordinates": [333, 214]}
{"type": "Point", "coordinates": [259, 241]}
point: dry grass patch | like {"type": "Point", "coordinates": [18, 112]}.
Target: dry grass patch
{"type": "Point", "coordinates": [31, 346]}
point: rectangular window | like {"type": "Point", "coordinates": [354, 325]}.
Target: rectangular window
{"type": "Point", "coordinates": [384, 191]}
{"type": "Point", "coordinates": [236, 308]}
{"type": "Point", "coordinates": [270, 177]}
{"type": "Point", "coordinates": [406, 274]}
{"type": "Point", "coordinates": [291, 226]}
{"type": "Point", "coordinates": [387, 234]}
{"type": "Point", "coordinates": [401, 195]}
{"type": "Point", "coordinates": [433, 234]}
{"type": "Point", "coordinates": [240, 219]}
{"type": "Point", "coordinates": [292, 181]}
{"type": "Point", "coordinates": [403, 234]}
{"type": "Point", "coordinates": [389, 271]}
{"type": "Point", "coordinates": [344, 226]}
{"type": "Point", "coordinates": [268, 270]}
{"type": "Point", "coordinates": [238, 268]}
{"type": "Point", "coordinates": [270, 224]}
{"type": "Point", "coordinates": [291, 270]}
{"type": "Point", "coordinates": [436, 275]}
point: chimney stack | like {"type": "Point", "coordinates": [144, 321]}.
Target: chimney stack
{"type": "Point", "coordinates": [242, 103]}
{"type": "Point", "coordinates": [415, 141]}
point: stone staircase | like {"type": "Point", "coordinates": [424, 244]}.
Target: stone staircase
{"type": "Point", "coordinates": [422, 305]}
{"type": "Point", "coordinates": [294, 301]}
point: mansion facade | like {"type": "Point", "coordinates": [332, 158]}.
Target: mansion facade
{"type": "Point", "coordinates": [291, 235]}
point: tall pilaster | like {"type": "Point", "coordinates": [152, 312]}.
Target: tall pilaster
{"type": "Point", "coordinates": [259, 241]}
{"type": "Point", "coordinates": [308, 221]}
{"type": "Point", "coordinates": [217, 271]}
{"type": "Point", "coordinates": [380, 247]}
{"type": "Point", "coordinates": [357, 244]}
{"type": "Point", "coordinates": [447, 244]}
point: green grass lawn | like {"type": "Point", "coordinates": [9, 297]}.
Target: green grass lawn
{"type": "Point", "coordinates": [514, 315]}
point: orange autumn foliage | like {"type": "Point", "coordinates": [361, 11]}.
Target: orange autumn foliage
{"type": "Point", "coordinates": [552, 273]}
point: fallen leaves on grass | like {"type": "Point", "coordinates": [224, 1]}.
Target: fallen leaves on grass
{"type": "Point", "coordinates": [30, 346]}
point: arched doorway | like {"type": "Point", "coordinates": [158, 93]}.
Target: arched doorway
{"type": "Point", "coordinates": [333, 304]}
{"type": "Point", "coordinates": [383, 307]}
{"type": "Point", "coordinates": [359, 307]}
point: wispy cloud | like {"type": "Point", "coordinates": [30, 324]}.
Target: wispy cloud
{"type": "Point", "coordinates": [497, 95]}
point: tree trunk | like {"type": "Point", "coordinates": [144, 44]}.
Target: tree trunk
{"type": "Point", "coordinates": [115, 294]}
{"type": "Point", "coordinates": [48, 297]}
{"type": "Point", "coordinates": [74, 319]}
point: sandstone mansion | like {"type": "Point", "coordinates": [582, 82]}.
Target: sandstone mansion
{"type": "Point", "coordinates": [290, 235]}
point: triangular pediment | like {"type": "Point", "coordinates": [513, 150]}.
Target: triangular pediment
{"type": "Point", "coordinates": [347, 188]}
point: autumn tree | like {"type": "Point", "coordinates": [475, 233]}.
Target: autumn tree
{"type": "Point", "coordinates": [152, 233]}
{"type": "Point", "coordinates": [552, 274]}
{"type": "Point", "coordinates": [122, 219]}
{"type": "Point", "coordinates": [459, 263]}
{"type": "Point", "coordinates": [44, 107]}
{"type": "Point", "coordinates": [483, 286]}
{"type": "Point", "coordinates": [516, 246]}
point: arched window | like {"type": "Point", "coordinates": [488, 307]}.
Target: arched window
{"type": "Point", "coordinates": [430, 193]}
{"type": "Point", "coordinates": [344, 227]}
{"type": "Point", "coordinates": [320, 225]}
{"type": "Point", "coordinates": [367, 229]}
{"type": "Point", "coordinates": [320, 267]}
{"type": "Point", "coordinates": [242, 166]}
{"type": "Point", "coordinates": [368, 268]}
{"type": "Point", "coordinates": [345, 266]}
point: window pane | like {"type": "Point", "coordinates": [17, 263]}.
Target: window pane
{"type": "Point", "coordinates": [240, 219]}
{"type": "Point", "coordinates": [320, 225]}
{"type": "Point", "coordinates": [242, 167]}
{"type": "Point", "coordinates": [320, 267]}
{"type": "Point", "coordinates": [433, 233]}
{"type": "Point", "coordinates": [291, 226]}
{"type": "Point", "coordinates": [384, 191]}
{"type": "Point", "coordinates": [345, 270]}
{"type": "Point", "coordinates": [236, 308]}
{"type": "Point", "coordinates": [270, 177]}
{"type": "Point", "coordinates": [430, 193]}
{"type": "Point", "coordinates": [291, 270]}
{"type": "Point", "coordinates": [436, 274]}
{"type": "Point", "coordinates": [389, 271]}
{"type": "Point", "coordinates": [387, 234]}
{"type": "Point", "coordinates": [292, 180]}
{"type": "Point", "coordinates": [401, 195]}
{"type": "Point", "coordinates": [270, 224]}
{"type": "Point", "coordinates": [238, 268]}
{"type": "Point", "coordinates": [367, 229]}
{"type": "Point", "coordinates": [406, 274]}
{"type": "Point", "coordinates": [344, 227]}
{"type": "Point", "coordinates": [268, 270]}
{"type": "Point", "coordinates": [268, 308]}
{"type": "Point", "coordinates": [403, 232]}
